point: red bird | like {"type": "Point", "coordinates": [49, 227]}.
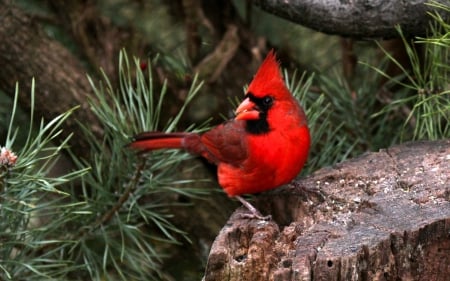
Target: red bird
{"type": "Point", "coordinates": [263, 147]}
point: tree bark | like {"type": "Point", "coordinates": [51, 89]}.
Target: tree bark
{"type": "Point", "coordinates": [360, 19]}
{"type": "Point", "coordinates": [382, 216]}
{"type": "Point", "coordinates": [26, 52]}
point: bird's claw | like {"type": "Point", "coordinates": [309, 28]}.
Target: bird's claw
{"type": "Point", "coordinates": [255, 216]}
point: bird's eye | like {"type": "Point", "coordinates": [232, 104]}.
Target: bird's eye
{"type": "Point", "coordinates": [267, 101]}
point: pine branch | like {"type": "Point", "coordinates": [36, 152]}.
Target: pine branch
{"type": "Point", "coordinates": [122, 199]}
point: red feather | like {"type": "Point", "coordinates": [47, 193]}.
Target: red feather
{"type": "Point", "coordinates": [268, 77]}
{"type": "Point", "coordinates": [265, 146]}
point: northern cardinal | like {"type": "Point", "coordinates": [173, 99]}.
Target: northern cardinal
{"type": "Point", "coordinates": [263, 147]}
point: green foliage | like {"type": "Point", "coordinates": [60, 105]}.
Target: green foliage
{"type": "Point", "coordinates": [133, 199]}
{"type": "Point", "coordinates": [432, 106]}
{"type": "Point", "coordinates": [32, 231]}
{"type": "Point", "coordinates": [109, 218]}
{"type": "Point", "coordinates": [347, 120]}
{"type": "Point", "coordinates": [424, 90]}
{"type": "Point", "coordinates": [339, 117]}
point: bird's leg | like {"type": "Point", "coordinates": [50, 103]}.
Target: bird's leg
{"type": "Point", "coordinates": [254, 212]}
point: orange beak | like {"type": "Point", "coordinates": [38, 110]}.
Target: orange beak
{"type": "Point", "coordinates": [247, 110]}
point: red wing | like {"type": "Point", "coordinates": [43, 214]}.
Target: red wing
{"type": "Point", "coordinates": [226, 143]}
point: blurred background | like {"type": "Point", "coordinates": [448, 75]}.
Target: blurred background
{"type": "Point", "coordinates": [360, 95]}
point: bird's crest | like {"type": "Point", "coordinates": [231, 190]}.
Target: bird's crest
{"type": "Point", "coordinates": [268, 78]}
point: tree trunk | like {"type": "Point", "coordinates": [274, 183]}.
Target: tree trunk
{"type": "Point", "coordinates": [382, 216]}
{"type": "Point", "coordinates": [360, 19]}
{"type": "Point", "coordinates": [61, 84]}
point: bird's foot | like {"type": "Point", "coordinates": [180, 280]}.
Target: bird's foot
{"type": "Point", "coordinates": [255, 214]}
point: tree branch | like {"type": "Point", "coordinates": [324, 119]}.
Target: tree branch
{"type": "Point", "coordinates": [360, 19]}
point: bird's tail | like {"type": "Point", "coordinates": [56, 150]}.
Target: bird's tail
{"type": "Point", "coordinates": [156, 140]}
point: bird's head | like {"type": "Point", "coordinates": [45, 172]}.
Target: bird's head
{"type": "Point", "coordinates": [266, 92]}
